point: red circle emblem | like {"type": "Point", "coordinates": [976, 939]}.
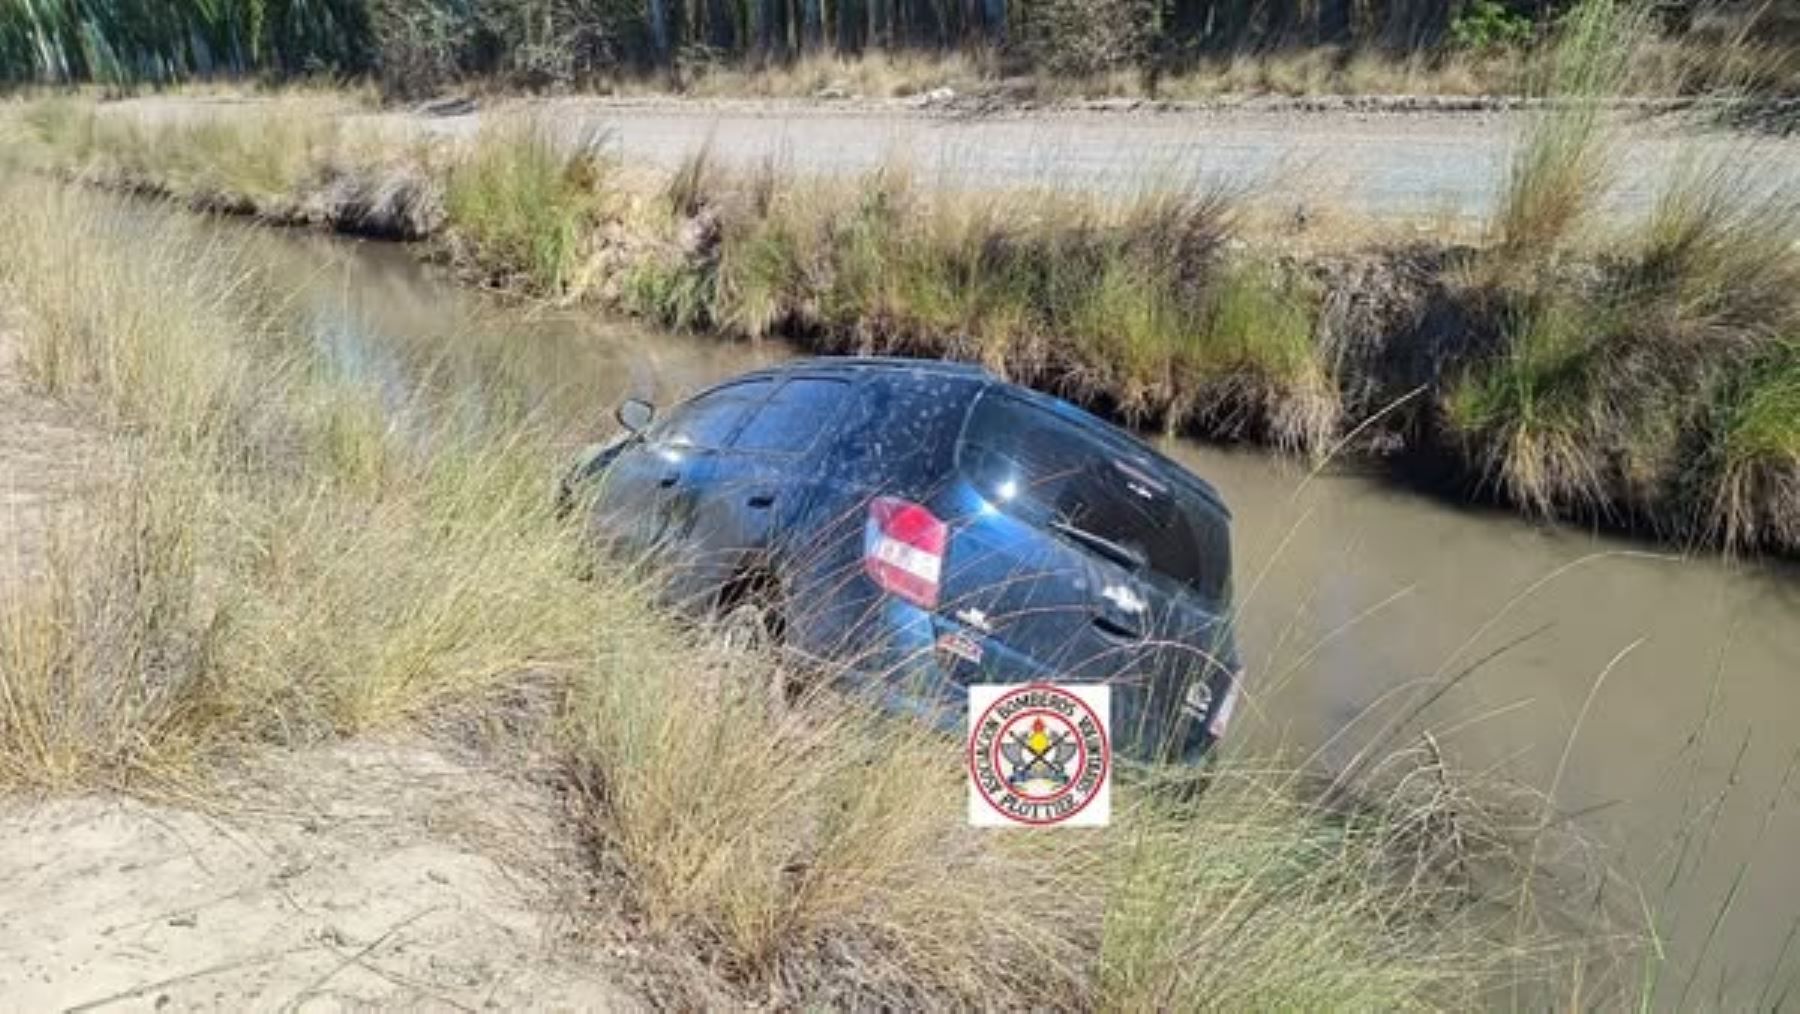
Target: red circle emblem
{"type": "Point", "coordinates": [1038, 754]}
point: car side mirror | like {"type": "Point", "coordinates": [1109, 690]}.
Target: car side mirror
{"type": "Point", "coordinates": [635, 414]}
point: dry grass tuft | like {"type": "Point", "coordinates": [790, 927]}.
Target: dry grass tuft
{"type": "Point", "coordinates": [523, 200]}
{"type": "Point", "coordinates": [1753, 462]}
{"type": "Point", "coordinates": [1563, 163]}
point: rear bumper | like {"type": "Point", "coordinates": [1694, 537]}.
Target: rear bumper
{"type": "Point", "coordinates": [918, 663]}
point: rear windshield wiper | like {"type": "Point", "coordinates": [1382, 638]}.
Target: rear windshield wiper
{"type": "Point", "coordinates": [1122, 555]}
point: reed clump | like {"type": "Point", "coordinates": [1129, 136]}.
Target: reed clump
{"type": "Point", "coordinates": [1132, 301]}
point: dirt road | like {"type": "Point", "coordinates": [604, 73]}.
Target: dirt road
{"type": "Point", "coordinates": [1393, 158]}
{"type": "Point", "coordinates": [1393, 164]}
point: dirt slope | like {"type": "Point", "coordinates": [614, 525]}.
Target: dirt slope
{"type": "Point", "coordinates": [357, 875]}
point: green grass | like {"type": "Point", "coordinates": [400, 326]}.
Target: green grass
{"type": "Point", "coordinates": [1603, 394]}
{"type": "Point", "coordinates": [525, 199]}
{"type": "Point", "coordinates": [1600, 395]}
{"type": "Point", "coordinates": [1753, 462]}
{"type": "Point", "coordinates": [1130, 300]}
{"type": "Point", "coordinates": [1532, 412]}
{"type": "Point", "coordinates": [284, 563]}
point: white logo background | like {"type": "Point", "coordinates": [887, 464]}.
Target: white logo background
{"type": "Point", "coordinates": [991, 802]}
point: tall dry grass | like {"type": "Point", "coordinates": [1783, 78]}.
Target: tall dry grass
{"type": "Point", "coordinates": [308, 562]}
{"type": "Point", "coordinates": [1133, 300]}
{"type": "Point", "coordinates": [287, 562]}
{"type": "Point", "coordinates": [295, 159]}
{"type": "Point", "coordinates": [1637, 385]}
{"type": "Point", "coordinates": [523, 201]}
{"type": "Point", "coordinates": [1632, 391]}
{"type": "Point", "coordinates": [1562, 164]}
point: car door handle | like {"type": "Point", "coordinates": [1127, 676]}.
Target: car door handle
{"type": "Point", "coordinates": [760, 501]}
{"type": "Point", "coordinates": [1116, 628]}
{"type": "Point", "coordinates": [669, 479]}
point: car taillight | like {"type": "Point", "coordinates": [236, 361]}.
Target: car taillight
{"type": "Point", "coordinates": [903, 549]}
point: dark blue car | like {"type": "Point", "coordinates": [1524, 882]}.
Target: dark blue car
{"type": "Point", "coordinates": [915, 526]}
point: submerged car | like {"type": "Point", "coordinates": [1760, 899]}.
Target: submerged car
{"type": "Point", "coordinates": [912, 527]}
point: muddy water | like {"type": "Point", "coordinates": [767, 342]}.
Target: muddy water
{"type": "Point", "coordinates": [1657, 698]}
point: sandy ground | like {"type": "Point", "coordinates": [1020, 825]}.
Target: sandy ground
{"type": "Point", "coordinates": [359, 875]}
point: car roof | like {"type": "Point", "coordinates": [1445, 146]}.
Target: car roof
{"type": "Point", "coordinates": [916, 368]}
{"type": "Point", "coordinates": [943, 367]}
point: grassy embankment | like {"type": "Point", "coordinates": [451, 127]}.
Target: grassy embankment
{"type": "Point", "coordinates": [285, 561]}
{"type": "Point", "coordinates": [1634, 376]}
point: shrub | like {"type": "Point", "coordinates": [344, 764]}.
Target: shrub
{"type": "Point", "coordinates": [1082, 38]}
{"type": "Point", "coordinates": [1488, 25]}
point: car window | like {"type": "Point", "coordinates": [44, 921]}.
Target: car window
{"type": "Point", "coordinates": [1113, 501]}
{"type": "Point", "coordinates": [792, 421]}
{"type": "Point", "coordinates": [899, 435]}
{"type": "Point", "coordinates": [708, 421]}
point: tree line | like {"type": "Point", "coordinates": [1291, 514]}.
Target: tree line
{"type": "Point", "coordinates": [423, 43]}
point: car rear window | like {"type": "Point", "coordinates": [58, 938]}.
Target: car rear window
{"type": "Point", "coordinates": [1111, 500]}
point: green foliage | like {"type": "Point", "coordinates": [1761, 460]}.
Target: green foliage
{"type": "Point", "coordinates": [1763, 421]}
{"type": "Point", "coordinates": [1084, 37]}
{"type": "Point", "coordinates": [1659, 384]}
{"type": "Point", "coordinates": [1750, 473]}
{"type": "Point", "coordinates": [1532, 412]}
{"type": "Point", "coordinates": [1490, 25]}
{"type": "Point", "coordinates": [130, 41]}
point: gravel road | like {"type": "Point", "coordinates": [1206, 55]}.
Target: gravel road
{"type": "Point", "coordinates": [1391, 158]}
{"type": "Point", "coordinates": [1394, 164]}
